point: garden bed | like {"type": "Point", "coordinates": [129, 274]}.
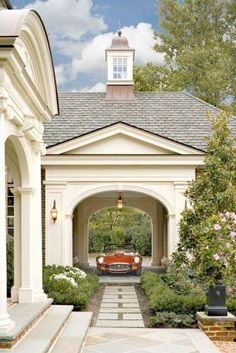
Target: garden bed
{"type": "Point", "coordinates": [69, 286]}
{"type": "Point", "coordinates": [174, 299]}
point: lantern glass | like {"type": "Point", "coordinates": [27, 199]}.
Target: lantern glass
{"type": "Point", "coordinates": [54, 212]}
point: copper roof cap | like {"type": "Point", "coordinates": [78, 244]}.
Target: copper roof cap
{"type": "Point", "coordinates": [119, 42]}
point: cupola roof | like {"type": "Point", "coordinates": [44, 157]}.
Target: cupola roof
{"type": "Point", "coordinates": [120, 42]}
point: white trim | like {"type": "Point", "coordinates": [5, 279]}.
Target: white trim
{"type": "Point", "coordinates": [190, 160]}
{"type": "Point", "coordinates": [122, 128]}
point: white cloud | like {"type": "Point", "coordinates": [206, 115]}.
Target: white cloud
{"type": "Point", "coordinates": [92, 59]}
{"type": "Point", "coordinates": [98, 87]}
{"type": "Point", "coordinates": [77, 32]}
{"type": "Point", "coordinates": [68, 20]}
{"type": "Point", "coordinates": [61, 74]}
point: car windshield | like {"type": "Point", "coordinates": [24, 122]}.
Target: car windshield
{"type": "Point", "coordinates": [112, 248]}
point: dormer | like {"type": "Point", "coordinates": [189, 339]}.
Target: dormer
{"type": "Point", "coordinates": [120, 58]}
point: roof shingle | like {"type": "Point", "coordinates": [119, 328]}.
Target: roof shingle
{"type": "Point", "coordinates": [174, 115]}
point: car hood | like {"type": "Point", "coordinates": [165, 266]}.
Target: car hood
{"type": "Point", "coordinates": [120, 258]}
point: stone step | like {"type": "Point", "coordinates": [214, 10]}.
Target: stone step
{"type": "Point", "coordinates": [25, 316]}
{"type": "Point", "coordinates": [120, 323]}
{"type": "Point", "coordinates": [43, 334]}
{"type": "Point", "coordinates": [72, 337]}
{"type": "Point", "coordinates": [120, 310]}
{"type": "Point", "coordinates": [114, 300]}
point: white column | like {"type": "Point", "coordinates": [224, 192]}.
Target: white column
{"type": "Point", "coordinates": [17, 246]}
{"type": "Point", "coordinates": [67, 247]}
{"type": "Point", "coordinates": [6, 324]}
{"type": "Point", "coordinates": [171, 237]}
{"type": "Point", "coordinates": [180, 188]}
{"type": "Point", "coordinates": [27, 237]}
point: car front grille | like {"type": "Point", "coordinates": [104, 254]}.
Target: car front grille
{"type": "Point", "coordinates": [119, 267]}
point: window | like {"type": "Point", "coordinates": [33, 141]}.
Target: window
{"type": "Point", "coordinates": [119, 68]}
{"type": "Point", "coordinates": [10, 210]}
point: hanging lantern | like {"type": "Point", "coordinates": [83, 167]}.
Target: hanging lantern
{"type": "Point", "coordinates": [120, 201]}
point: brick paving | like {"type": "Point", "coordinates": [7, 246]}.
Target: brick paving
{"type": "Point", "coordinates": [226, 347]}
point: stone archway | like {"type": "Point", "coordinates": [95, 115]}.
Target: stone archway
{"type": "Point", "coordinates": [23, 164]}
{"type": "Point", "coordinates": [162, 220]}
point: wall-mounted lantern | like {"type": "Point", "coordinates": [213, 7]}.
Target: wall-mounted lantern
{"type": "Point", "coordinates": [120, 201]}
{"type": "Point", "coordinates": [54, 212]}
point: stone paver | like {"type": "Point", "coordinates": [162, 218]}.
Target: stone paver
{"type": "Point", "coordinates": [125, 312]}
{"type": "Point", "coordinates": [132, 316]}
{"type": "Point", "coordinates": [144, 340]}
{"type": "Point", "coordinates": [119, 279]}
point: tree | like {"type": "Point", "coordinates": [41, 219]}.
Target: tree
{"type": "Point", "coordinates": [128, 225]}
{"type": "Point", "coordinates": [149, 78]}
{"type": "Point", "coordinates": [206, 230]}
{"type": "Point", "coordinates": [198, 39]}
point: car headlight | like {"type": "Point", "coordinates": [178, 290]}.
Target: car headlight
{"type": "Point", "coordinates": [101, 260]}
{"type": "Point", "coordinates": [136, 259]}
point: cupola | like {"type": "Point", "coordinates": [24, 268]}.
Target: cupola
{"type": "Point", "coordinates": [120, 58]}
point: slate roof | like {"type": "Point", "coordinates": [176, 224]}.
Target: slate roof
{"type": "Point", "coordinates": [177, 116]}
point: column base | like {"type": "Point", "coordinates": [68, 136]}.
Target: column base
{"type": "Point", "coordinates": [6, 324]}
{"type": "Point", "coordinates": [156, 263]}
{"type": "Point", "coordinates": [83, 264]}
{"type": "Point", "coordinates": [28, 295]}
{"type": "Point", "coordinates": [15, 294]}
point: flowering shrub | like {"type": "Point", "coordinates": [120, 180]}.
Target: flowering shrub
{"type": "Point", "coordinates": [206, 230]}
{"type": "Point", "coordinates": [217, 247]}
{"type": "Point", "coordinates": [69, 285]}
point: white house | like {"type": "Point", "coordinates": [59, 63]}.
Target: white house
{"type": "Point", "coordinates": [146, 146]}
{"type": "Point", "coordinates": [28, 99]}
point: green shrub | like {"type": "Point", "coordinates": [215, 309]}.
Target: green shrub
{"type": "Point", "coordinates": [231, 305]}
{"type": "Point", "coordinates": [10, 264]}
{"type": "Point", "coordinates": [182, 281]}
{"type": "Point", "coordinates": [163, 298]}
{"type": "Point", "coordinates": [172, 320]}
{"type": "Point", "coordinates": [69, 285]}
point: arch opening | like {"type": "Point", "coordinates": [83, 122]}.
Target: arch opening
{"type": "Point", "coordinates": [149, 233]}
{"type": "Point", "coordinates": [124, 226]}
{"type": "Point", "coordinates": [17, 175]}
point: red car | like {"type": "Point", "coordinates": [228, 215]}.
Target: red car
{"type": "Point", "coordinates": [119, 259]}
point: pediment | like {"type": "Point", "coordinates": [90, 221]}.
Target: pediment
{"type": "Point", "coordinates": [120, 139]}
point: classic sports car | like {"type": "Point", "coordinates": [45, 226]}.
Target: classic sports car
{"type": "Point", "coordinates": [119, 259]}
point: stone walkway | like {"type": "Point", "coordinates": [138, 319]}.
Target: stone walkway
{"type": "Point", "coordinates": [120, 308]}
{"type": "Point", "coordinates": [145, 340]}
{"type": "Point", "coordinates": [120, 329]}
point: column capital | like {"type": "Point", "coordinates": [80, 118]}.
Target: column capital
{"type": "Point", "coordinates": [3, 104]}
{"type": "Point", "coordinates": [25, 190]}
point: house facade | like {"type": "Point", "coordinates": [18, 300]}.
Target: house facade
{"type": "Point", "coordinates": [146, 146]}
{"type": "Point", "coordinates": [28, 98]}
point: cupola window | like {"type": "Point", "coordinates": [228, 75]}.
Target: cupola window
{"type": "Point", "coordinates": [120, 68]}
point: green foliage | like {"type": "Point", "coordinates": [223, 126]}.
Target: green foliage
{"type": "Point", "coordinates": [201, 245]}
{"type": "Point", "coordinates": [231, 305]}
{"type": "Point", "coordinates": [162, 298]}
{"type": "Point", "coordinates": [149, 78]}
{"type": "Point", "coordinates": [181, 282]}
{"type": "Point", "coordinates": [198, 40]}
{"type": "Point", "coordinates": [128, 225]}
{"type": "Point", "coordinates": [10, 263]}
{"type": "Point", "coordinates": [69, 285]}
{"type": "Point", "coordinates": [172, 320]}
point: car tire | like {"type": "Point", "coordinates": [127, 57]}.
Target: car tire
{"type": "Point", "coordinates": [138, 272]}
{"type": "Point", "coordinates": [98, 272]}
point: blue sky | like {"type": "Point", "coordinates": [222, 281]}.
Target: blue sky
{"type": "Point", "coordinates": [80, 31]}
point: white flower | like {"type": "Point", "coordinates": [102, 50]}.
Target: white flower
{"type": "Point", "coordinates": [217, 226]}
